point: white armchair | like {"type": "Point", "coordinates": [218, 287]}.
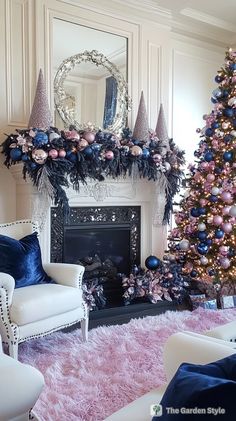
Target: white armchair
{"type": "Point", "coordinates": [37, 310]}
{"type": "Point", "coordinates": [20, 387]}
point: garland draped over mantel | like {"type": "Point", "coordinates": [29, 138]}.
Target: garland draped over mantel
{"type": "Point", "coordinates": [55, 159]}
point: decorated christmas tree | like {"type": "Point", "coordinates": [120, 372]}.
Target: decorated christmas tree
{"type": "Point", "coordinates": [203, 241]}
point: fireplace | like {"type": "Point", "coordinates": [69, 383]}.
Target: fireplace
{"type": "Point", "coordinates": [105, 240]}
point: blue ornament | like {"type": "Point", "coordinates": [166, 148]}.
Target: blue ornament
{"type": "Point", "coordinates": [33, 165]}
{"type": "Point", "coordinates": [208, 241]}
{"type": "Point", "coordinates": [146, 153]}
{"type": "Point", "coordinates": [209, 132]}
{"type": "Point", "coordinates": [71, 156]}
{"type": "Point", "coordinates": [225, 93]}
{"type": "Point", "coordinates": [193, 273]}
{"type": "Point", "coordinates": [213, 198]}
{"type": "Point", "coordinates": [95, 147]}
{"type": "Point", "coordinates": [218, 78]}
{"type": "Point", "coordinates": [219, 233]}
{"type": "Point", "coordinates": [228, 156]}
{"type": "Point", "coordinates": [202, 211]}
{"type": "Point", "coordinates": [202, 248]}
{"type": "Point", "coordinates": [16, 154]}
{"type": "Point", "coordinates": [228, 112]}
{"type": "Point", "coordinates": [232, 66]}
{"type": "Point", "coordinates": [88, 152]}
{"type": "Point", "coordinates": [211, 272]}
{"type": "Point", "coordinates": [202, 235]}
{"type": "Point", "coordinates": [152, 262]}
{"type": "Point", "coordinates": [217, 170]}
{"type": "Point", "coordinates": [217, 93]}
{"type": "Point", "coordinates": [214, 100]}
{"type": "Point", "coordinates": [215, 125]}
{"type": "Point", "coordinates": [231, 252]}
{"type": "Point", "coordinates": [136, 142]}
{"type": "Point", "coordinates": [194, 212]}
{"type": "Point", "coordinates": [99, 136]}
{"type": "Point", "coordinates": [40, 139]}
{"type": "Point", "coordinates": [208, 156]}
{"type": "Point", "coordinates": [228, 138]}
{"type": "Point", "coordinates": [234, 122]}
{"type": "Point", "coordinates": [25, 157]}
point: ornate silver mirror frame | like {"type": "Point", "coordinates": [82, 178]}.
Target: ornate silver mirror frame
{"type": "Point", "coordinates": [123, 104]}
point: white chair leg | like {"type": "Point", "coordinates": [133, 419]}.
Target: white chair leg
{"type": "Point", "coordinates": [13, 350]}
{"type": "Point", "coordinates": [84, 328]}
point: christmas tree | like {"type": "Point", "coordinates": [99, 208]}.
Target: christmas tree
{"type": "Point", "coordinates": [203, 241]}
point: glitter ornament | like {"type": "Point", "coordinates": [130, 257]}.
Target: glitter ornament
{"type": "Point", "coordinates": [39, 156]}
{"type": "Point", "coordinates": [141, 127]}
{"type": "Point", "coordinates": [136, 151]}
{"type": "Point", "coordinates": [40, 117]}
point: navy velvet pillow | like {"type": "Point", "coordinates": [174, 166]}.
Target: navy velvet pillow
{"type": "Point", "coordinates": [207, 388]}
{"type": "Point", "coordinates": [22, 260]}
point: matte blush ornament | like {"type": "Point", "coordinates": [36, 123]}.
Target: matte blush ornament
{"type": "Point", "coordinates": [39, 156]}
{"type": "Point", "coordinates": [62, 153]}
{"type": "Point", "coordinates": [210, 178]}
{"type": "Point", "coordinates": [217, 220]}
{"type": "Point", "coordinates": [53, 153]}
{"type": "Point", "coordinates": [109, 155]}
{"type": "Point", "coordinates": [89, 136]}
{"type": "Point", "coordinates": [152, 262]}
{"type": "Point", "coordinates": [226, 196]}
{"type": "Point", "coordinates": [228, 156]}
{"type": "Point", "coordinates": [15, 154]}
{"type": "Point", "coordinates": [202, 248]}
{"type": "Point", "coordinates": [227, 227]}
{"type": "Point", "coordinates": [223, 250]}
{"type": "Point", "coordinates": [82, 144]}
{"type": "Point", "coordinates": [225, 263]}
{"type": "Point", "coordinates": [136, 150]}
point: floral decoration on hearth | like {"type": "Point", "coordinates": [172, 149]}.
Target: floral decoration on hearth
{"type": "Point", "coordinates": [55, 159]}
{"type": "Point", "coordinates": [161, 280]}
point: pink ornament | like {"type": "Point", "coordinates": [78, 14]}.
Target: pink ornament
{"type": "Point", "coordinates": [224, 250]}
{"type": "Point", "coordinates": [83, 144]}
{"type": "Point", "coordinates": [89, 136]}
{"type": "Point", "coordinates": [203, 202]}
{"type": "Point", "coordinates": [215, 143]}
{"type": "Point", "coordinates": [226, 196]}
{"type": "Point", "coordinates": [217, 220]}
{"type": "Point", "coordinates": [227, 227]}
{"type": "Point", "coordinates": [204, 165]}
{"type": "Point", "coordinates": [197, 176]}
{"type": "Point", "coordinates": [225, 263]}
{"type": "Point", "coordinates": [53, 153]}
{"type": "Point", "coordinates": [225, 210]}
{"type": "Point", "coordinates": [210, 178]}
{"type": "Point", "coordinates": [157, 158]}
{"type": "Point", "coordinates": [72, 134]}
{"type": "Point", "coordinates": [109, 155]}
{"type": "Point", "coordinates": [212, 165]}
{"type": "Point", "coordinates": [62, 153]}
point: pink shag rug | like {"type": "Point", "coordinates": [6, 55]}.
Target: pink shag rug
{"type": "Point", "coordinates": [89, 381]}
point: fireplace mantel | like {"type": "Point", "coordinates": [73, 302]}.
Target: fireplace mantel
{"type": "Point", "coordinates": [111, 192]}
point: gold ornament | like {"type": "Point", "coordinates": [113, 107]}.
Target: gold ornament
{"type": "Point", "coordinates": [136, 150]}
{"type": "Point", "coordinates": [39, 156]}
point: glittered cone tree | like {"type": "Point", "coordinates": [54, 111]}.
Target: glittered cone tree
{"type": "Point", "coordinates": [203, 240]}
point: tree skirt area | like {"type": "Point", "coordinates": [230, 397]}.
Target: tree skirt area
{"type": "Point", "coordinates": [89, 381]}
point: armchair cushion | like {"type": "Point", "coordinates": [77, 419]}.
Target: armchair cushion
{"type": "Point", "coordinates": [202, 386]}
{"type": "Point", "coordinates": [38, 302]}
{"type": "Point", "coordinates": [22, 260]}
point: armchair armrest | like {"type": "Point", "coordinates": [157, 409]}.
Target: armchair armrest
{"type": "Point", "coordinates": [7, 285]}
{"type": "Point", "coordinates": [182, 347]}
{"type": "Point", "coordinates": [65, 274]}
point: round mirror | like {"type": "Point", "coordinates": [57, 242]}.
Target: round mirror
{"type": "Point", "coordinates": [99, 93]}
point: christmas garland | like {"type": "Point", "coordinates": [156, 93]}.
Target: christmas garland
{"type": "Point", "coordinates": [55, 159]}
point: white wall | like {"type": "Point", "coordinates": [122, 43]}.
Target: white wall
{"type": "Point", "coordinates": [173, 70]}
